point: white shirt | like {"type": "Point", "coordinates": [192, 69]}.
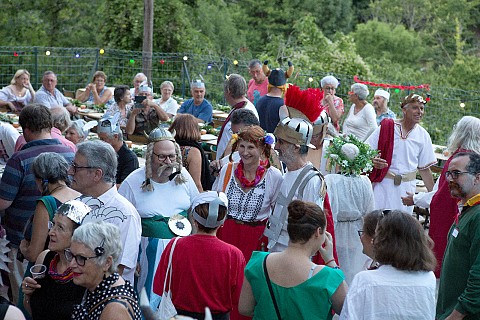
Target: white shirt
{"type": "Point", "coordinates": [227, 132]}
{"type": "Point", "coordinates": [240, 202]}
{"type": "Point", "coordinates": [8, 138]}
{"type": "Point", "coordinates": [389, 293]}
{"type": "Point", "coordinates": [167, 199]}
{"type": "Point", "coordinates": [361, 124]}
{"type": "Point", "coordinates": [130, 230]}
{"type": "Point", "coordinates": [170, 106]}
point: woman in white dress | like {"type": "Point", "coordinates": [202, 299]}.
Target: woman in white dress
{"type": "Point", "coordinates": [251, 186]}
{"type": "Point", "coordinates": [19, 93]}
{"type": "Point", "coordinates": [361, 119]}
{"type": "Point", "coordinates": [351, 197]}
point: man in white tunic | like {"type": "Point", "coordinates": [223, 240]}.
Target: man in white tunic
{"type": "Point", "coordinates": [301, 181]}
{"type": "Point", "coordinates": [412, 150]}
{"type": "Point", "coordinates": [160, 190]}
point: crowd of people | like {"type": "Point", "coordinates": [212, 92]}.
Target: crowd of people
{"type": "Point", "coordinates": [260, 229]}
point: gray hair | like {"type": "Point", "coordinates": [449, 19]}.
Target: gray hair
{"type": "Point", "coordinates": [360, 90]}
{"type": "Point", "coordinates": [100, 155]}
{"type": "Point", "coordinates": [111, 135]}
{"type": "Point", "coordinates": [78, 125]}
{"type": "Point", "coordinates": [235, 85]}
{"type": "Point", "coordinates": [254, 63]}
{"type": "Point", "coordinates": [61, 118]}
{"type": "Point", "coordinates": [47, 73]}
{"type": "Point", "coordinates": [141, 74]}
{"type": "Point", "coordinates": [473, 166]}
{"type": "Point", "coordinates": [329, 80]}
{"type": "Point", "coordinates": [50, 167]}
{"type": "Point", "coordinates": [244, 116]}
{"type": "Point", "coordinates": [167, 83]}
{"type": "Point", "coordinates": [465, 135]}
{"type": "Point", "coordinates": [104, 235]}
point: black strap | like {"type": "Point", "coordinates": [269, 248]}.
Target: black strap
{"type": "Point", "coordinates": [270, 288]}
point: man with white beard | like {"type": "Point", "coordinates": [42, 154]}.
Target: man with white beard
{"type": "Point", "coordinates": [162, 192]}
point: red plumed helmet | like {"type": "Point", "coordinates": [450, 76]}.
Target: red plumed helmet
{"type": "Point", "coordinates": [306, 101]}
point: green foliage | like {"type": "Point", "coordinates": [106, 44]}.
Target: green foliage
{"type": "Point", "coordinates": [315, 52]}
{"type": "Point", "coordinates": [378, 40]}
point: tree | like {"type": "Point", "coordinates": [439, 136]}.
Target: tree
{"type": "Point", "coordinates": [378, 40]}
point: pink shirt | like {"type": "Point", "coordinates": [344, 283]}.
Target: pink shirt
{"type": "Point", "coordinates": [56, 134]}
{"type": "Point", "coordinates": [255, 91]}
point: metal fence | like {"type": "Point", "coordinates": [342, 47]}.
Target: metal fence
{"type": "Point", "coordinates": [75, 67]}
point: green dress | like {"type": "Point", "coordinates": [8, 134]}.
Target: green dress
{"type": "Point", "coordinates": [308, 300]}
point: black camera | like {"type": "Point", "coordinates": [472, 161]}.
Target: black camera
{"type": "Point", "coordinates": [138, 102]}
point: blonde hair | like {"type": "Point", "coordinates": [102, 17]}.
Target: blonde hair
{"type": "Point", "coordinates": [18, 74]}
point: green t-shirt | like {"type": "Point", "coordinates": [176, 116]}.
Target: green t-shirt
{"type": "Point", "coordinates": [308, 300]}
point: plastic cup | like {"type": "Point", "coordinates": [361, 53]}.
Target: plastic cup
{"type": "Point", "coordinates": [38, 271]}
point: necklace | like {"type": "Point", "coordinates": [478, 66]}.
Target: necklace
{"type": "Point", "coordinates": [58, 187]}
{"type": "Point", "coordinates": [244, 182]}
{"type": "Point", "coordinates": [64, 277]}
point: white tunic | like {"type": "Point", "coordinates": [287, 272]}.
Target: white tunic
{"type": "Point", "coordinates": [311, 193]}
{"type": "Point", "coordinates": [389, 293]}
{"type": "Point", "coordinates": [350, 199]}
{"type": "Point", "coordinates": [361, 124]}
{"type": "Point", "coordinates": [411, 151]}
{"type": "Point", "coordinates": [166, 199]}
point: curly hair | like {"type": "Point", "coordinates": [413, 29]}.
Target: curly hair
{"type": "Point", "coordinates": [401, 242]}
{"type": "Point", "coordinates": [255, 135]}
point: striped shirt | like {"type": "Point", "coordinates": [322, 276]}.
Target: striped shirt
{"type": "Point", "coordinates": [18, 185]}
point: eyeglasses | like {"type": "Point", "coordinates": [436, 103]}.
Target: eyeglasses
{"type": "Point", "coordinates": [329, 89]}
{"type": "Point", "coordinates": [163, 157]}
{"type": "Point", "coordinates": [76, 167]}
{"type": "Point", "coordinates": [360, 232]}
{"type": "Point", "coordinates": [78, 258]}
{"type": "Point", "coordinates": [454, 174]}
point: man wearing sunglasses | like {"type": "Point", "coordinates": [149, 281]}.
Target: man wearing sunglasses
{"type": "Point", "coordinates": [93, 173]}
{"type": "Point", "coordinates": [459, 289]}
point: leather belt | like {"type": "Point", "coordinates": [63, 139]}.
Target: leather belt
{"type": "Point", "coordinates": [399, 178]}
{"type": "Point", "coordinates": [248, 223]}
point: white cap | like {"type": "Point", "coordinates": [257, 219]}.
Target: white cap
{"type": "Point", "coordinates": [382, 93]}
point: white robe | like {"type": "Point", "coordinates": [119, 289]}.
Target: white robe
{"type": "Point", "coordinates": [350, 199]}
{"type": "Point", "coordinates": [411, 151]}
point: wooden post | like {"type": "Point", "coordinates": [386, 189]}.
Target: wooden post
{"type": "Point", "coordinates": [147, 38]}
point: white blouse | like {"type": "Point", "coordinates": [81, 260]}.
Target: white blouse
{"type": "Point", "coordinates": [254, 205]}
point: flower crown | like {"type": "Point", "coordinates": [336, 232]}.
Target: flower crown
{"type": "Point", "coordinates": [267, 139]}
{"type": "Point", "coordinates": [351, 155]}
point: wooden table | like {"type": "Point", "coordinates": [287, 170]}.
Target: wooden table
{"type": "Point", "coordinates": [90, 115]}
{"type": "Point", "coordinates": [219, 118]}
